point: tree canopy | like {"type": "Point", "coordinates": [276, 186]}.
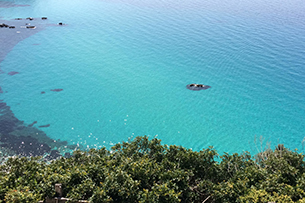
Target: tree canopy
{"type": "Point", "coordinates": [144, 170]}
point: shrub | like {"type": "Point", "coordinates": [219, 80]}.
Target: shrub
{"type": "Point", "coordinates": [144, 170]}
{"type": "Point", "coordinates": [23, 195]}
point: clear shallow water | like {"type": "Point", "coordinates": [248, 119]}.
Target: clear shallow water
{"type": "Point", "coordinates": [124, 68]}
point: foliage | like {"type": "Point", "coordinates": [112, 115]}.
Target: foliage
{"type": "Point", "coordinates": [23, 195]}
{"type": "Point", "coordinates": [144, 170]}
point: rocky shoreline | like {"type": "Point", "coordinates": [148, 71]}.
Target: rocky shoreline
{"type": "Point", "coordinates": [27, 140]}
{"type": "Point", "coordinates": [17, 31]}
{"type": "Point", "coordinates": [16, 137]}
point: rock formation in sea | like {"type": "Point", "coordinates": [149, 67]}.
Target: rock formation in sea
{"type": "Point", "coordinates": [12, 73]}
{"type": "Point", "coordinates": [25, 140]}
{"type": "Point", "coordinates": [18, 31]}
{"type": "Point", "coordinates": [57, 90]}
{"type": "Point", "coordinates": [31, 125]}
{"type": "Point", "coordinates": [15, 136]}
{"type": "Point", "coordinates": [44, 126]}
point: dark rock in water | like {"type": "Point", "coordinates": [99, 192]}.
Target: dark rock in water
{"type": "Point", "coordinates": [21, 127]}
{"type": "Point", "coordinates": [18, 18]}
{"type": "Point", "coordinates": [13, 73]}
{"type": "Point", "coordinates": [197, 87]}
{"type": "Point", "coordinates": [60, 23]}
{"type": "Point", "coordinates": [57, 90]}
{"type": "Point", "coordinates": [37, 134]}
{"type": "Point", "coordinates": [2, 105]}
{"type": "Point", "coordinates": [53, 155]}
{"type": "Point", "coordinates": [44, 126]}
{"type": "Point", "coordinates": [43, 92]}
{"type": "Point", "coordinates": [7, 125]}
{"type": "Point", "coordinates": [44, 18]}
{"type": "Point", "coordinates": [31, 26]}
{"type": "Point", "coordinates": [62, 142]}
{"type": "Point", "coordinates": [30, 18]}
{"type": "Point", "coordinates": [73, 147]}
{"type": "Point", "coordinates": [4, 25]}
{"type": "Point", "coordinates": [67, 155]}
{"type": "Point", "coordinates": [24, 146]}
{"type": "Point", "coordinates": [11, 37]}
{"type": "Point", "coordinates": [22, 139]}
{"type": "Point", "coordinates": [31, 125]}
{"type": "Point", "coordinates": [11, 27]}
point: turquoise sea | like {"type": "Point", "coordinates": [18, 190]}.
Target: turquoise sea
{"type": "Point", "coordinates": [124, 66]}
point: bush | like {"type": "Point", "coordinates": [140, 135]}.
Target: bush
{"type": "Point", "coordinates": [144, 170]}
{"type": "Point", "coordinates": [23, 195]}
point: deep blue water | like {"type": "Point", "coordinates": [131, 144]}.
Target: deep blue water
{"type": "Point", "coordinates": [124, 66]}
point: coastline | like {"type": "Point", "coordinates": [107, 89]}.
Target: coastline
{"type": "Point", "coordinates": [18, 138]}
{"type": "Point", "coordinates": [115, 60]}
{"type": "Point", "coordinates": [15, 136]}
{"type": "Point", "coordinates": [10, 37]}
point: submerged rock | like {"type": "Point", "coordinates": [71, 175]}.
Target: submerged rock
{"type": "Point", "coordinates": [7, 126]}
{"type": "Point", "coordinates": [53, 155]}
{"type": "Point", "coordinates": [13, 73]}
{"type": "Point", "coordinates": [31, 125]}
{"type": "Point", "coordinates": [57, 90]}
{"type": "Point", "coordinates": [20, 127]}
{"type": "Point", "coordinates": [31, 26]}
{"type": "Point", "coordinates": [44, 126]}
{"type": "Point", "coordinates": [24, 145]}
{"type": "Point", "coordinates": [67, 155]}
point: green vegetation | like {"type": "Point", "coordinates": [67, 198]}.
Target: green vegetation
{"type": "Point", "coordinates": [146, 171]}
